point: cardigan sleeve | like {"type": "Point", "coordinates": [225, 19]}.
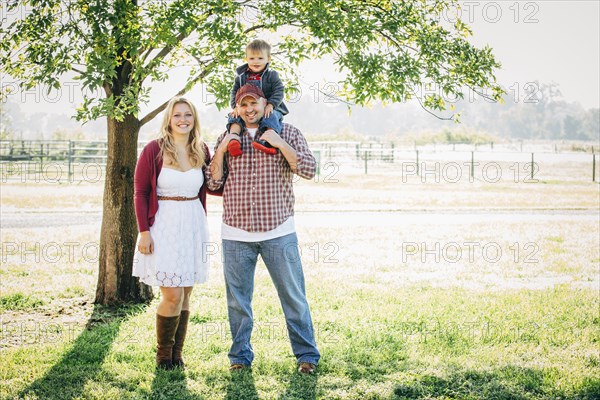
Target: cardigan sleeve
{"type": "Point", "coordinates": [142, 185]}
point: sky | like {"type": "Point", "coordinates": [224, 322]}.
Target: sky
{"type": "Point", "coordinates": [551, 41]}
{"type": "Point", "coordinates": [547, 41]}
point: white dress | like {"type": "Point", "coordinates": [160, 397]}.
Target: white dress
{"type": "Point", "coordinates": [179, 232]}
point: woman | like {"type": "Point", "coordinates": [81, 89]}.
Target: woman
{"type": "Point", "coordinates": [170, 207]}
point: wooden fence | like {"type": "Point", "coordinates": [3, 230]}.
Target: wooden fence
{"type": "Point", "coordinates": [76, 160]}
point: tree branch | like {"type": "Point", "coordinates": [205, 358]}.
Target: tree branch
{"type": "Point", "coordinates": [145, 56]}
{"type": "Point", "coordinates": [166, 50]}
{"type": "Point", "coordinates": [190, 84]}
{"type": "Point", "coordinates": [254, 28]}
{"type": "Point", "coordinates": [485, 96]}
{"type": "Point", "coordinates": [450, 118]}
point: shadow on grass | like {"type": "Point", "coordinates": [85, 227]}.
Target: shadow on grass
{"type": "Point", "coordinates": [300, 387]}
{"type": "Point", "coordinates": [83, 361]}
{"type": "Point", "coordinates": [509, 382]}
{"type": "Point", "coordinates": [171, 385]}
{"type": "Point", "coordinates": [241, 386]}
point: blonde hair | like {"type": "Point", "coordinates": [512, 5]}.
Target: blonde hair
{"type": "Point", "coordinates": [258, 45]}
{"type": "Point", "coordinates": [195, 145]}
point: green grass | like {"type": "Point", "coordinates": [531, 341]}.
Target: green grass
{"type": "Point", "coordinates": [523, 327]}
{"type": "Point", "coordinates": [19, 301]}
{"type": "Point", "coordinates": [420, 343]}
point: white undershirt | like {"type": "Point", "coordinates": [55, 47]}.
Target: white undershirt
{"type": "Point", "coordinates": [231, 233]}
{"type": "Point", "coordinates": [252, 132]}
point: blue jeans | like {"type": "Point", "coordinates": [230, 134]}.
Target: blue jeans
{"type": "Point", "coordinates": [275, 122]}
{"type": "Point", "coordinates": [282, 259]}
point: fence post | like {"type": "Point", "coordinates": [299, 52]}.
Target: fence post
{"type": "Point", "coordinates": [472, 164]}
{"type": "Point", "coordinates": [358, 151]}
{"type": "Point", "coordinates": [41, 159]}
{"type": "Point", "coordinates": [366, 160]}
{"type": "Point", "coordinates": [392, 152]}
{"type": "Point", "coordinates": [69, 173]}
{"type": "Point", "coordinates": [532, 166]}
{"type": "Point", "coordinates": [593, 167]}
{"type": "Point", "coordinates": [417, 162]}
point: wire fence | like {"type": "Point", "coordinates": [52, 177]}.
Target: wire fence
{"type": "Point", "coordinates": [76, 160]}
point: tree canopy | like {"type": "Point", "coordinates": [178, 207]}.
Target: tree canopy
{"type": "Point", "coordinates": [385, 48]}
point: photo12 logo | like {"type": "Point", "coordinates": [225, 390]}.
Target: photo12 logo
{"type": "Point", "coordinates": [69, 91]}
{"type": "Point", "coordinates": [455, 172]}
{"type": "Point", "coordinates": [493, 12]}
{"type": "Point", "coordinates": [51, 252]}
{"type": "Point", "coordinates": [471, 252]}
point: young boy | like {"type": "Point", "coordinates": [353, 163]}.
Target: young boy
{"type": "Point", "coordinates": [257, 72]}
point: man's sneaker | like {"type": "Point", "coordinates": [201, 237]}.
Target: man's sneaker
{"type": "Point", "coordinates": [306, 368]}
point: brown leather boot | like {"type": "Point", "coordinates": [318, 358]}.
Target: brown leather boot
{"type": "Point", "coordinates": [165, 337]}
{"type": "Point", "coordinates": [180, 338]}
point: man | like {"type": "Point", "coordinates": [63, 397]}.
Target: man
{"type": "Point", "coordinates": [258, 218]}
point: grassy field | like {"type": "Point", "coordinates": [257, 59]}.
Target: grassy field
{"type": "Point", "coordinates": [419, 290]}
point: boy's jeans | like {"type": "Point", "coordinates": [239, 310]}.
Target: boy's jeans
{"type": "Point", "coordinates": [275, 122]}
{"type": "Point", "coordinates": [282, 259]}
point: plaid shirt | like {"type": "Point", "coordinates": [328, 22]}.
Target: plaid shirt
{"type": "Point", "coordinates": [258, 195]}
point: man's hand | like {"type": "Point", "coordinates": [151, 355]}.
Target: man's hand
{"type": "Point", "coordinates": [287, 151]}
{"type": "Point", "coordinates": [273, 138]}
{"type": "Point", "coordinates": [223, 145]}
{"type": "Point", "coordinates": [268, 110]}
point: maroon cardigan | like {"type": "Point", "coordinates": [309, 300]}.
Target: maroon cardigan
{"type": "Point", "coordinates": [145, 179]}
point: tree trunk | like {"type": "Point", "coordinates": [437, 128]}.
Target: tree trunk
{"type": "Point", "coordinates": [119, 228]}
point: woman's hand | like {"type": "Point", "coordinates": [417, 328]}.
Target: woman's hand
{"type": "Point", "coordinates": [146, 244]}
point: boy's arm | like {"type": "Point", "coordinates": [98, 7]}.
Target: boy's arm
{"type": "Point", "coordinates": [277, 92]}
{"type": "Point", "coordinates": [234, 89]}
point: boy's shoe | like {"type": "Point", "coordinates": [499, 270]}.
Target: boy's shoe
{"type": "Point", "coordinates": [264, 146]}
{"type": "Point", "coordinates": [234, 147]}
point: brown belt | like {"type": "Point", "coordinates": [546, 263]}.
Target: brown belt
{"type": "Point", "coordinates": [177, 198]}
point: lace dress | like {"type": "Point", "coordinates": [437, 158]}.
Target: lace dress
{"type": "Point", "coordinates": [179, 232]}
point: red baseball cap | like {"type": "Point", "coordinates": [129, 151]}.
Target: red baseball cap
{"type": "Point", "coordinates": [248, 90]}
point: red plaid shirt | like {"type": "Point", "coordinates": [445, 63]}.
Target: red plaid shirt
{"type": "Point", "coordinates": [258, 195]}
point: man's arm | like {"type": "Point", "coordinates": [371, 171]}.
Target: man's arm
{"type": "Point", "coordinates": [215, 175]}
{"type": "Point", "coordinates": [296, 152]}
